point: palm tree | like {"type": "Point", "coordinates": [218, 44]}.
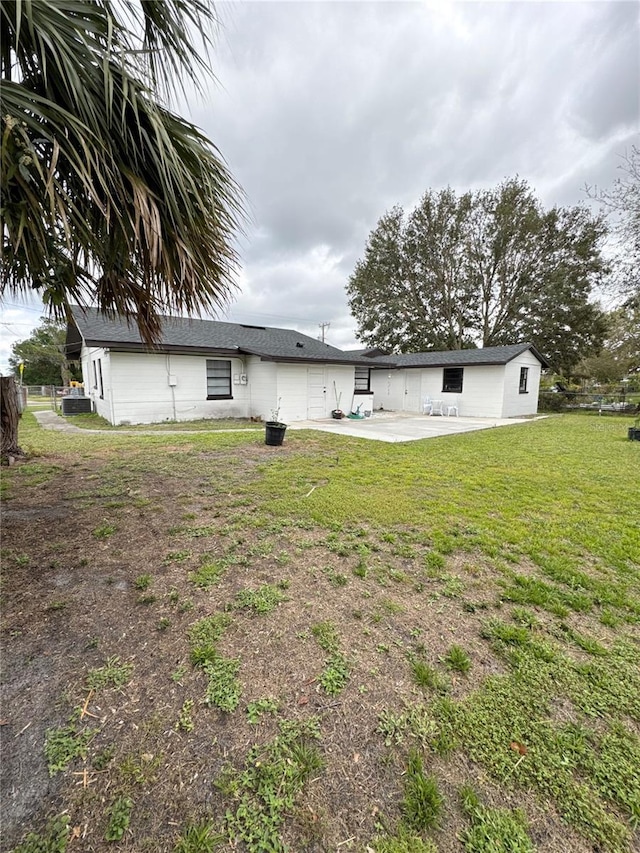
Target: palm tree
{"type": "Point", "coordinates": [108, 197]}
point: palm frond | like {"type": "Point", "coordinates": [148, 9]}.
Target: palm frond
{"type": "Point", "coordinates": [108, 196]}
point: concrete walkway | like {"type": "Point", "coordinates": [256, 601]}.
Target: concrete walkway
{"type": "Point", "coordinates": [383, 426]}
{"type": "Point", "coordinates": [54, 421]}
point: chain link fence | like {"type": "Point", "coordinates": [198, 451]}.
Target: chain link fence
{"type": "Point", "coordinates": [566, 401]}
{"type": "Point", "coordinates": [49, 395]}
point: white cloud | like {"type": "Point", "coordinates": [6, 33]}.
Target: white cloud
{"type": "Point", "coordinates": [330, 113]}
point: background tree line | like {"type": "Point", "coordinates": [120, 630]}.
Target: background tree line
{"type": "Point", "coordinates": [43, 356]}
{"type": "Point", "coordinates": [483, 268]}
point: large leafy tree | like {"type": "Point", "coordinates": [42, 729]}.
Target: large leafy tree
{"type": "Point", "coordinates": [485, 268]}
{"type": "Point", "coordinates": [42, 355]}
{"type": "Point", "coordinates": [108, 197]}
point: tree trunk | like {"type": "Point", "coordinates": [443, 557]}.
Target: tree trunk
{"type": "Point", "coordinates": [9, 417]}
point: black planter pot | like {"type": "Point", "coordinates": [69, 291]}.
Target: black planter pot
{"type": "Point", "coordinates": [274, 435]}
{"type": "Point", "coordinates": [634, 433]}
{"type": "Point", "coordinates": [337, 414]}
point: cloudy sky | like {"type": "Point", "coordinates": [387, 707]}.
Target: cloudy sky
{"type": "Point", "coordinates": [330, 113]}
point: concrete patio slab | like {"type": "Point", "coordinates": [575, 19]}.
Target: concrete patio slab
{"type": "Point", "coordinates": [398, 426]}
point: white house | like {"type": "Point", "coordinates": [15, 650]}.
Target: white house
{"type": "Point", "coordinates": [494, 382]}
{"type": "Point", "coordinates": [207, 369]}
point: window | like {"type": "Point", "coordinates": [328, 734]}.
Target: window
{"type": "Point", "coordinates": [452, 380]}
{"type": "Point", "coordinates": [97, 377]}
{"type": "Point", "coordinates": [218, 380]}
{"type": "Point", "coordinates": [363, 380]}
{"type": "Point", "coordinates": [524, 378]}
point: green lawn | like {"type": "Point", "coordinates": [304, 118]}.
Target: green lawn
{"type": "Point", "coordinates": [333, 645]}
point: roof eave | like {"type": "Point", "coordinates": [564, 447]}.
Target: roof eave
{"type": "Point", "coordinates": [179, 349]}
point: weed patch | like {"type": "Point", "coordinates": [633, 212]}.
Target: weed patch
{"type": "Point", "coordinates": [265, 790]}
{"type": "Point", "coordinates": [257, 709]}
{"type": "Point", "coordinates": [54, 839]}
{"type": "Point", "coordinates": [204, 636]}
{"type": "Point", "coordinates": [427, 677]}
{"type": "Point", "coordinates": [64, 745]}
{"type": "Point", "coordinates": [119, 814]}
{"type": "Point", "coordinates": [422, 802]}
{"type": "Point", "coordinates": [262, 600]}
{"type": "Point", "coordinates": [209, 574]}
{"type": "Point", "coordinates": [199, 838]}
{"type": "Point", "coordinates": [335, 674]}
{"type": "Point", "coordinates": [326, 636]}
{"type": "Point", "coordinates": [458, 660]}
{"type": "Point", "coordinates": [223, 689]}
{"type": "Point", "coordinates": [113, 674]}
{"type": "Point", "coordinates": [493, 829]}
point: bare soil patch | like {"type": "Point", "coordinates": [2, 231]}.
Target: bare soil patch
{"type": "Point", "coordinates": [77, 542]}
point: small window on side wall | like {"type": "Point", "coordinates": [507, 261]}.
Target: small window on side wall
{"type": "Point", "coordinates": [452, 380]}
{"type": "Point", "coordinates": [524, 379]}
{"type": "Point", "coordinates": [362, 380]}
{"type": "Point", "coordinates": [218, 379]}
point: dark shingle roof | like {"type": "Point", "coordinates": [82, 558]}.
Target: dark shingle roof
{"type": "Point", "coordinates": [461, 358]}
{"type": "Point", "coordinates": [206, 336]}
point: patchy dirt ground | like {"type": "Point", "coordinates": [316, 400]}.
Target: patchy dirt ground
{"type": "Point", "coordinates": [101, 561]}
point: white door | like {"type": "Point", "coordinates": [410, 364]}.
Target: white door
{"type": "Point", "coordinates": [412, 384]}
{"type": "Point", "coordinates": [316, 393]}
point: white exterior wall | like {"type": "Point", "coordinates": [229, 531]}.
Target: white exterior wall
{"type": "Point", "coordinates": [388, 389]}
{"type": "Point", "coordinates": [482, 391]}
{"type": "Point", "coordinates": [293, 390]}
{"type": "Point", "coordinates": [515, 403]}
{"type": "Point", "coordinates": [137, 389]}
{"type": "Point", "coordinates": [263, 387]}
{"type": "Point", "coordinates": [405, 390]}
{"type": "Point", "coordinates": [90, 356]}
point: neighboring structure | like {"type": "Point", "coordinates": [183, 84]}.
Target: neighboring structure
{"type": "Point", "coordinates": [494, 382]}
{"type": "Point", "coordinates": [207, 369]}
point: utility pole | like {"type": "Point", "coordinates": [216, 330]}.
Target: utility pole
{"type": "Point", "coordinates": [323, 326]}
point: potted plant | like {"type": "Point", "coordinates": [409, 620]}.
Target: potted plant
{"type": "Point", "coordinates": [337, 413]}
{"type": "Point", "coordinates": [275, 429]}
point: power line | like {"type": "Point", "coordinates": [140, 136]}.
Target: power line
{"type": "Point", "coordinates": [22, 307]}
{"type": "Point", "coordinates": [11, 332]}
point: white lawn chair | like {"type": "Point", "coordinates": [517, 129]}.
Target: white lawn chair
{"type": "Point", "coordinates": [436, 407]}
{"type": "Point", "coordinates": [427, 406]}
{"type": "Point", "coordinates": [452, 407]}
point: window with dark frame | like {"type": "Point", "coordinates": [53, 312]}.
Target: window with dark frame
{"type": "Point", "coordinates": [100, 386]}
{"type": "Point", "coordinates": [218, 379]}
{"type": "Point", "coordinates": [524, 379]}
{"type": "Point", "coordinates": [95, 375]}
{"type": "Point", "coordinates": [362, 380]}
{"type": "Point", "coordinates": [452, 380]}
